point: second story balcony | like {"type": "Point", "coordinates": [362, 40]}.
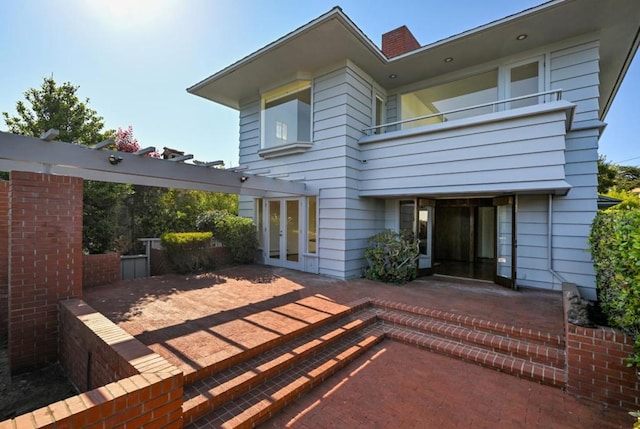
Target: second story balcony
{"type": "Point", "coordinates": [508, 146]}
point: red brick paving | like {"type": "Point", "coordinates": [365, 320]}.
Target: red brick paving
{"type": "Point", "coordinates": [195, 321]}
{"type": "Point", "coordinates": [399, 386]}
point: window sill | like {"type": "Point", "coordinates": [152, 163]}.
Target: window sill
{"type": "Point", "coordinates": [283, 150]}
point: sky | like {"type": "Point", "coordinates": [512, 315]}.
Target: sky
{"type": "Point", "coordinates": [134, 59]}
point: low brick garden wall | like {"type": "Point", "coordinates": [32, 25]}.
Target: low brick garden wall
{"type": "Point", "coordinates": [124, 383]}
{"type": "Point", "coordinates": [596, 367]}
{"type": "Point", "coordinates": [100, 269]}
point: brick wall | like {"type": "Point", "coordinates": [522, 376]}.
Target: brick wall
{"type": "Point", "coordinates": [399, 41]}
{"type": "Point", "coordinates": [45, 262]}
{"type": "Point", "coordinates": [134, 387]}
{"type": "Point", "coordinates": [100, 269]}
{"type": "Point", "coordinates": [4, 259]}
{"type": "Point", "coordinates": [596, 366]}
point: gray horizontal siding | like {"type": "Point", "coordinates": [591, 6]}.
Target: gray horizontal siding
{"type": "Point", "coordinates": [342, 107]}
{"type": "Point", "coordinates": [576, 70]}
{"type": "Point", "coordinates": [505, 154]}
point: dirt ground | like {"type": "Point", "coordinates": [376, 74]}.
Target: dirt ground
{"type": "Point", "coordinates": [32, 390]}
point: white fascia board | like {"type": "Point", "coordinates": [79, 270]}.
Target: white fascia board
{"type": "Point", "coordinates": [31, 154]}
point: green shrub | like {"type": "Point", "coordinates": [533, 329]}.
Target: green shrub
{"type": "Point", "coordinates": [636, 414]}
{"type": "Point", "coordinates": [237, 233]}
{"type": "Point", "coordinates": [392, 257]}
{"type": "Point", "coordinates": [615, 249]}
{"type": "Point", "coordinates": [188, 251]}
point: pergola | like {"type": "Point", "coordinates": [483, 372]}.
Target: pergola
{"type": "Point", "coordinates": [41, 260]}
{"type": "Point", "coordinates": [43, 155]}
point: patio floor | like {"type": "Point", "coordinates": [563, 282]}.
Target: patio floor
{"type": "Point", "coordinates": [194, 321]}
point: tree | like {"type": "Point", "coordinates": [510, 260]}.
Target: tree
{"type": "Point", "coordinates": [53, 106]}
{"type": "Point", "coordinates": [607, 173]}
{"type": "Point", "coordinates": [58, 106]}
{"type": "Point", "coordinates": [628, 177]}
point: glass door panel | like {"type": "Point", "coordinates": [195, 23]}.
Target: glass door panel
{"type": "Point", "coordinates": [293, 228]}
{"type": "Point", "coordinates": [505, 242]}
{"type": "Point", "coordinates": [425, 226]}
{"type": "Point", "coordinates": [274, 232]}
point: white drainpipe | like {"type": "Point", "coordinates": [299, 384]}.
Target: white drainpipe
{"type": "Point", "coordinates": [549, 242]}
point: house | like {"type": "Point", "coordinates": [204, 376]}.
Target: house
{"type": "Point", "coordinates": [484, 144]}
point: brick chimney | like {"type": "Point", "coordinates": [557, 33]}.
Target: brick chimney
{"type": "Point", "coordinates": [399, 41]}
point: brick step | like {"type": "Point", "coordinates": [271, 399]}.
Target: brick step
{"type": "Point", "coordinates": [486, 339]}
{"type": "Point", "coordinates": [224, 364]}
{"type": "Point", "coordinates": [261, 402]}
{"type": "Point", "coordinates": [514, 332]}
{"type": "Point", "coordinates": [205, 395]}
{"type": "Point", "coordinates": [534, 371]}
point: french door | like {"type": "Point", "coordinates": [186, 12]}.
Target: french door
{"type": "Point", "coordinates": [505, 247]}
{"type": "Point", "coordinates": [283, 238]}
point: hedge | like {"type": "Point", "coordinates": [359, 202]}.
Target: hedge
{"type": "Point", "coordinates": [615, 249]}
{"type": "Point", "coordinates": [237, 233]}
{"type": "Point", "coordinates": [187, 251]}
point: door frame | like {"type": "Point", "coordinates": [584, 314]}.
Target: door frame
{"type": "Point", "coordinates": [283, 239]}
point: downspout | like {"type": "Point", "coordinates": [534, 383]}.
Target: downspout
{"type": "Point", "coordinates": [549, 242]}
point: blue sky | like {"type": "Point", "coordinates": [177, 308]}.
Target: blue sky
{"type": "Point", "coordinates": [135, 58]}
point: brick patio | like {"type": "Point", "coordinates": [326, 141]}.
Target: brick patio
{"type": "Point", "coordinates": [197, 322]}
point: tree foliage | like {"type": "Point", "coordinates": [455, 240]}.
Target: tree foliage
{"type": "Point", "coordinates": [622, 177]}
{"type": "Point", "coordinates": [56, 106]}
{"type": "Point", "coordinates": [115, 215]}
{"type": "Point", "coordinates": [239, 234]}
{"type": "Point", "coordinates": [629, 199]}
{"type": "Point", "coordinates": [59, 107]}
{"type": "Point", "coordinates": [606, 175]}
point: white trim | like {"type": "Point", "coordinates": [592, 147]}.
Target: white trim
{"type": "Point", "coordinates": [283, 150]}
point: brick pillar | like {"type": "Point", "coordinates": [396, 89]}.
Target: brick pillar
{"type": "Point", "coordinates": [399, 41]}
{"type": "Point", "coordinates": [4, 259]}
{"type": "Point", "coordinates": [45, 262]}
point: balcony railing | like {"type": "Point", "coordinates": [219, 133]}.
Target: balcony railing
{"type": "Point", "coordinates": [496, 106]}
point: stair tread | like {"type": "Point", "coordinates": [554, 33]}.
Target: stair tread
{"type": "Point", "coordinates": [257, 404]}
{"type": "Point", "coordinates": [533, 370]}
{"type": "Point", "coordinates": [241, 377]}
{"type": "Point", "coordinates": [545, 338]}
{"type": "Point", "coordinates": [230, 361]}
{"type": "Point", "coordinates": [520, 347]}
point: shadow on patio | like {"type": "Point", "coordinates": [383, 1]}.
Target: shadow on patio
{"type": "Point", "coordinates": [195, 321]}
{"type": "Point", "coordinates": [202, 321]}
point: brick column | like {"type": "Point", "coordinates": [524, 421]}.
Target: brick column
{"type": "Point", "coordinates": [4, 259]}
{"type": "Point", "coordinates": [45, 262]}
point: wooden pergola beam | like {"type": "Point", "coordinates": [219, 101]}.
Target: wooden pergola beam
{"type": "Point", "coordinates": [35, 155]}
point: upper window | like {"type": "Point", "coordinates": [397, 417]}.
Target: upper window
{"type": "Point", "coordinates": [523, 80]}
{"type": "Point", "coordinates": [470, 91]}
{"type": "Point", "coordinates": [286, 115]}
{"type": "Point", "coordinates": [456, 99]}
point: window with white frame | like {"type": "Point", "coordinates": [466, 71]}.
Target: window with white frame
{"type": "Point", "coordinates": [286, 115]}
